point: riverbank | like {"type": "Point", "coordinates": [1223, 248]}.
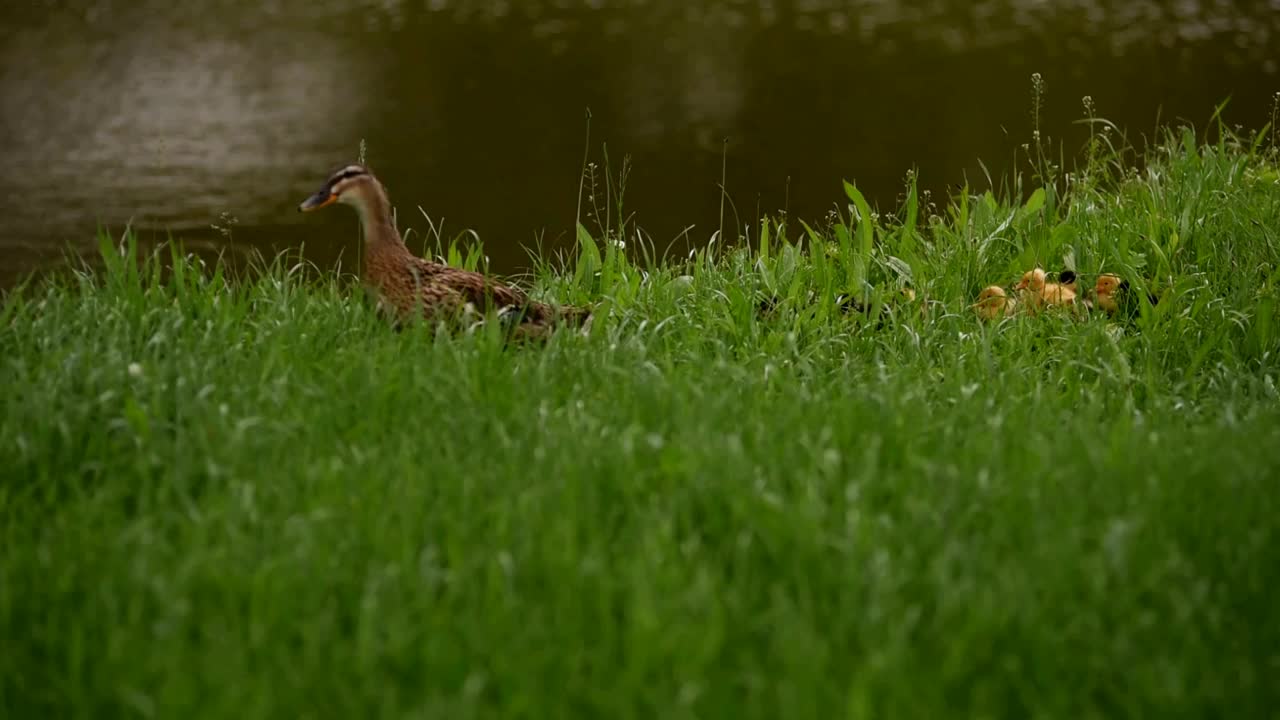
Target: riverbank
{"type": "Point", "coordinates": [252, 499]}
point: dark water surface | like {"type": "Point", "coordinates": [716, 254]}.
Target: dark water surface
{"type": "Point", "coordinates": [213, 118]}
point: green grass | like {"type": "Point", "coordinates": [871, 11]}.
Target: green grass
{"type": "Point", "coordinates": [251, 499]}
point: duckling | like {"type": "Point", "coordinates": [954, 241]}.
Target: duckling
{"type": "Point", "coordinates": [1036, 292]}
{"type": "Point", "coordinates": [1067, 279]}
{"type": "Point", "coordinates": [926, 303]}
{"type": "Point", "coordinates": [405, 284]}
{"type": "Point", "coordinates": [993, 302]}
{"type": "Point", "coordinates": [1026, 288]}
{"type": "Point", "coordinates": [1117, 297]}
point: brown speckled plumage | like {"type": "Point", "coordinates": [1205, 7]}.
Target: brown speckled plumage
{"type": "Point", "coordinates": [406, 285]}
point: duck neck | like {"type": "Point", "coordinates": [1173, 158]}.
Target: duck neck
{"type": "Point", "coordinates": [380, 233]}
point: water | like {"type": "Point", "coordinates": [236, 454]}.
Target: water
{"type": "Point", "coordinates": [213, 119]}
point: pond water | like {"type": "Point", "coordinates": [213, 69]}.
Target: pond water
{"type": "Point", "coordinates": [213, 118]}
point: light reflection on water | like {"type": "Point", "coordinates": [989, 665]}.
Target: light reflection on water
{"type": "Point", "coordinates": [171, 115]}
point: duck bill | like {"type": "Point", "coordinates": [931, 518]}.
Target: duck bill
{"type": "Point", "coordinates": [321, 199]}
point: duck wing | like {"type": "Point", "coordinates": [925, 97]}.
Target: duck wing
{"type": "Point", "coordinates": [515, 305]}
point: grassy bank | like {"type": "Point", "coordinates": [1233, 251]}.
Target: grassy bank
{"type": "Point", "coordinates": [252, 500]}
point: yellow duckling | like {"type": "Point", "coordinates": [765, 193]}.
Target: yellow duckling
{"type": "Point", "coordinates": [1038, 293]}
{"type": "Point", "coordinates": [1067, 279]}
{"type": "Point", "coordinates": [1116, 297]}
{"type": "Point", "coordinates": [994, 302]}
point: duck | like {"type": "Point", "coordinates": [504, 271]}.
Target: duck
{"type": "Point", "coordinates": [993, 302]}
{"type": "Point", "coordinates": [1037, 292]}
{"type": "Point", "coordinates": [1116, 296]}
{"type": "Point", "coordinates": [407, 286]}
